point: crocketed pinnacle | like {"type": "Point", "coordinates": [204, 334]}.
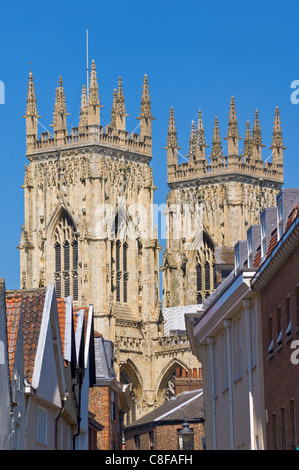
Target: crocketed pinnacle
{"type": "Point", "coordinates": [256, 132]}
{"type": "Point", "coordinates": [232, 131]}
{"type": "Point", "coordinates": [200, 142]}
{"type": "Point", "coordinates": [113, 110]}
{"type": "Point", "coordinates": [145, 108]}
{"type": "Point", "coordinates": [172, 134]}
{"type": "Point", "coordinates": [277, 142]}
{"type": "Point", "coordinates": [200, 133]}
{"type": "Point", "coordinates": [257, 139]}
{"type": "Point", "coordinates": [31, 115]}
{"type": "Point", "coordinates": [31, 109]}
{"type": "Point", "coordinates": [83, 110]}
{"type": "Point", "coordinates": [192, 141]}
{"type": "Point", "coordinates": [60, 112]}
{"type": "Point", "coordinates": [119, 107]}
{"type": "Point", "coordinates": [247, 150]}
{"type": "Point", "coordinates": [216, 145]}
{"type": "Point", "coordinates": [93, 98]}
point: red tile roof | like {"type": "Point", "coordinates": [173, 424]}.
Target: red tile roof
{"type": "Point", "coordinates": [257, 259]}
{"type": "Point", "coordinates": [13, 315]}
{"type": "Point", "coordinates": [62, 324]}
{"type": "Point", "coordinates": [272, 243]}
{"type": "Point", "coordinates": [25, 308]}
{"type": "Point", "coordinates": [293, 216]}
{"type": "Point", "coordinates": [85, 319]}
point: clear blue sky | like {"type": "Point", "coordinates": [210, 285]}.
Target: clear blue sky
{"type": "Point", "coordinates": [197, 54]}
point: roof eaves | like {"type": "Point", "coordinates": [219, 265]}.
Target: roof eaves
{"type": "Point", "coordinates": [179, 406]}
{"type": "Point", "coordinates": [42, 337]}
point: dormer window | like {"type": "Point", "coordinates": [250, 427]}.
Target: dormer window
{"type": "Point", "coordinates": [288, 317]}
{"type": "Point", "coordinates": [263, 238]}
{"type": "Point", "coordinates": [250, 250]}
{"type": "Point", "coordinates": [279, 219]}
{"type": "Point", "coordinates": [279, 327]}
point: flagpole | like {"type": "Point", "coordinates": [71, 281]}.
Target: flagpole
{"type": "Point", "coordinates": [87, 88]}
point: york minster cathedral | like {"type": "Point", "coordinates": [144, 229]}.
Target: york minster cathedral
{"type": "Point", "coordinates": [89, 223]}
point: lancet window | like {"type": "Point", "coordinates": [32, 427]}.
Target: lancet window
{"type": "Point", "coordinates": [119, 263]}
{"type": "Point", "coordinates": [205, 270]}
{"type": "Point", "coordinates": [66, 258]}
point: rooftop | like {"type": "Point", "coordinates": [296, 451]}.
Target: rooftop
{"type": "Point", "coordinates": [185, 407]}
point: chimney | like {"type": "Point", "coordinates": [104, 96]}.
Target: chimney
{"type": "Point", "coordinates": [268, 220]}
{"type": "Point", "coordinates": [240, 255]}
{"type": "Point", "coordinates": [253, 243]}
{"type": "Point", "coordinates": [286, 200]}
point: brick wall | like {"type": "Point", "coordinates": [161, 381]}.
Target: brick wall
{"type": "Point", "coordinates": [165, 437]}
{"type": "Point", "coordinates": [100, 405]}
{"type": "Point", "coordinates": [281, 377]}
{"type": "Point", "coordinates": [187, 380]}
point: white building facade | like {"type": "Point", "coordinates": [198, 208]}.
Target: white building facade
{"type": "Point", "coordinates": [226, 338]}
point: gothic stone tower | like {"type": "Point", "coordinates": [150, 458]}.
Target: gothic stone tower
{"type": "Point", "coordinates": [89, 228]}
{"type": "Point", "coordinates": [212, 203]}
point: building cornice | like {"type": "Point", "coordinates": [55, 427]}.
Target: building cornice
{"type": "Point", "coordinates": [223, 305]}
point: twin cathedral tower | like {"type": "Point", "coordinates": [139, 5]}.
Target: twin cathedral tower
{"type": "Point", "coordinates": [89, 224]}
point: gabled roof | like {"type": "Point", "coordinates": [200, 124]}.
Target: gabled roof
{"type": "Point", "coordinates": [174, 318]}
{"type": "Point", "coordinates": [104, 358]}
{"type": "Point", "coordinates": [13, 316]}
{"type": "Point", "coordinates": [27, 305]}
{"type": "Point", "coordinates": [185, 407]}
{"type": "Point", "coordinates": [293, 215]}
{"type": "Point", "coordinates": [65, 318]}
{"type": "Point", "coordinates": [31, 310]}
{"type": "Point", "coordinates": [81, 318]}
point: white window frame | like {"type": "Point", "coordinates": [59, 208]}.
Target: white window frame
{"type": "Point", "coordinates": [250, 249]}
{"type": "Point", "coordinates": [41, 425]}
{"type": "Point", "coordinates": [263, 239]}
{"type": "Point", "coordinates": [224, 362]}
{"type": "Point", "coordinates": [279, 219]}
{"type": "Point", "coordinates": [253, 331]}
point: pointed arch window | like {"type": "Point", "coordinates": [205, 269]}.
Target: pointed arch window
{"type": "Point", "coordinates": [198, 283]}
{"type": "Point", "coordinates": [118, 270]}
{"type": "Point", "coordinates": [207, 276]}
{"type": "Point", "coordinates": [204, 276]}
{"type": "Point", "coordinates": [66, 258]}
{"type": "Point", "coordinates": [119, 259]}
{"type": "Point", "coordinates": [125, 272]}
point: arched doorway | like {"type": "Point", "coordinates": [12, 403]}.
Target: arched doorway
{"type": "Point", "coordinates": [129, 374]}
{"type": "Point", "coordinates": [166, 383]}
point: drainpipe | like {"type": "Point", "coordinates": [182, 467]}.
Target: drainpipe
{"type": "Point", "coordinates": [78, 406]}
{"type": "Point", "coordinates": [210, 342]}
{"type": "Point", "coordinates": [63, 399]}
{"type": "Point", "coordinates": [227, 325]}
{"type": "Point", "coordinates": [246, 305]}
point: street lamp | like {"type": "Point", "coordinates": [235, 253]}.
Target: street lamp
{"type": "Point", "coordinates": [186, 437]}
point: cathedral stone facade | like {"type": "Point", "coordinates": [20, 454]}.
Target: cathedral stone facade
{"type": "Point", "coordinates": [212, 202]}
{"type": "Point", "coordinates": [88, 224]}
